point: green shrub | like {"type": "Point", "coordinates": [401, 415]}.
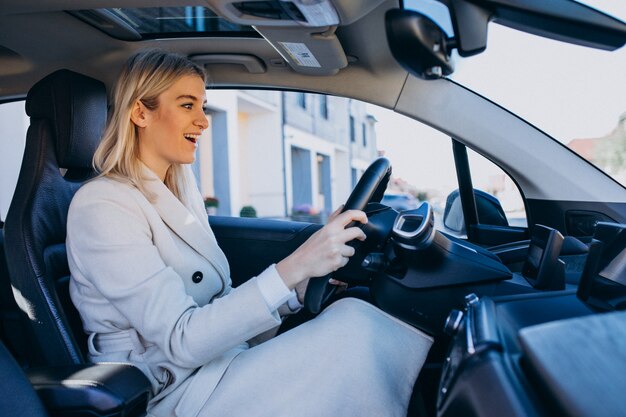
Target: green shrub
{"type": "Point", "coordinates": [247, 211]}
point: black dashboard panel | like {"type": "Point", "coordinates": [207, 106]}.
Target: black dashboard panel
{"type": "Point", "coordinates": [574, 218]}
{"type": "Point", "coordinates": [483, 373]}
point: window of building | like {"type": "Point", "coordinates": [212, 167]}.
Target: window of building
{"type": "Point", "coordinates": [301, 100]}
{"type": "Point", "coordinates": [324, 106]}
{"type": "Point", "coordinates": [352, 130]}
{"type": "Point", "coordinates": [364, 133]}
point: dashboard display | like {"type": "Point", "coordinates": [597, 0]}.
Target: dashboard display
{"type": "Point", "coordinates": [541, 268]}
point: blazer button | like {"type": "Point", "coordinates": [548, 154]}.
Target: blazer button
{"type": "Point", "coordinates": [197, 277]}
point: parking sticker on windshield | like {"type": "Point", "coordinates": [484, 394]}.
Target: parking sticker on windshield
{"type": "Point", "coordinates": [300, 54]}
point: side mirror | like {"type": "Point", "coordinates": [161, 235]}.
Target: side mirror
{"type": "Point", "coordinates": [489, 209]}
{"type": "Point", "coordinates": [419, 44]}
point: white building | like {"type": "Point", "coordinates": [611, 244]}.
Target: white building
{"type": "Point", "coordinates": [279, 151]}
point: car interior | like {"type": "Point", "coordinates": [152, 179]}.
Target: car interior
{"type": "Point", "coordinates": [527, 321]}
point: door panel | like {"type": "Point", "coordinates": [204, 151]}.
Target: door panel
{"type": "Point", "coordinates": [574, 218]}
{"type": "Point", "coordinates": [251, 245]}
{"type": "Point", "coordinates": [489, 235]}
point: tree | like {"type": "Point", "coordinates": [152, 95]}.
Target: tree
{"type": "Point", "coordinates": [610, 154]}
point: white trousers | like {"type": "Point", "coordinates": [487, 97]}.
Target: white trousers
{"type": "Point", "coordinates": [351, 360]}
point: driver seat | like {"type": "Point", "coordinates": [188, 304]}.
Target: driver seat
{"type": "Point", "coordinates": [67, 118]}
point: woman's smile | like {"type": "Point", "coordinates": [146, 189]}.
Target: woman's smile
{"type": "Point", "coordinates": [192, 137]}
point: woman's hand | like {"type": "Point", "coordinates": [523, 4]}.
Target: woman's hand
{"type": "Point", "coordinates": [325, 251]}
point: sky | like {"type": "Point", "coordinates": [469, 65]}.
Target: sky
{"type": "Point", "coordinates": [568, 91]}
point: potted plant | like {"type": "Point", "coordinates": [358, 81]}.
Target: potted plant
{"type": "Point", "coordinates": [211, 204]}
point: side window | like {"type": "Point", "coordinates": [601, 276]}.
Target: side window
{"type": "Point", "coordinates": [266, 156]}
{"type": "Point", "coordinates": [490, 179]}
{"type": "Point", "coordinates": [422, 162]}
{"type": "Point", "coordinates": [498, 200]}
{"type": "Point", "coordinates": [13, 127]}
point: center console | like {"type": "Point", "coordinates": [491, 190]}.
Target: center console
{"type": "Point", "coordinates": [543, 353]}
{"type": "Point", "coordinates": [483, 373]}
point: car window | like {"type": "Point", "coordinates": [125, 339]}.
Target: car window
{"type": "Point", "coordinates": [422, 160]}
{"type": "Point", "coordinates": [293, 155]}
{"type": "Point", "coordinates": [282, 155]}
{"type": "Point", "coordinates": [13, 127]}
{"type": "Point", "coordinates": [491, 179]}
{"type": "Point", "coordinates": [257, 160]}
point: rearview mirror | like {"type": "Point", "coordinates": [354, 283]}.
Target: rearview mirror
{"type": "Point", "coordinates": [562, 20]}
{"type": "Point", "coordinates": [419, 44]}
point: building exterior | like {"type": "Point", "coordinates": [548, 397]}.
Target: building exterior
{"type": "Point", "coordinates": [607, 152]}
{"type": "Point", "coordinates": [284, 154]}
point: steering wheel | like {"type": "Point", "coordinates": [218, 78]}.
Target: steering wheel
{"type": "Point", "coordinates": [370, 188]}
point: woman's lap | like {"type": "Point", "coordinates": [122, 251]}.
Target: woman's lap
{"type": "Point", "coordinates": [352, 359]}
{"type": "Point", "coordinates": [294, 320]}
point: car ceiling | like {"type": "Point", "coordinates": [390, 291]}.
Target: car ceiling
{"type": "Point", "coordinates": [37, 38]}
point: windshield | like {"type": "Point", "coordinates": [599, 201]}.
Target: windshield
{"type": "Point", "coordinates": [575, 94]}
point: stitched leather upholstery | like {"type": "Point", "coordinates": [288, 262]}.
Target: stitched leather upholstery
{"type": "Point", "coordinates": [68, 115]}
{"type": "Point", "coordinates": [75, 106]}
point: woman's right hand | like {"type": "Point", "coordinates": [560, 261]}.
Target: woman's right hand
{"type": "Point", "coordinates": [325, 251]}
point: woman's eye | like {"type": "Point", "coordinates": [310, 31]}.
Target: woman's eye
{"type": "Point", "coordinates": [188, 106]}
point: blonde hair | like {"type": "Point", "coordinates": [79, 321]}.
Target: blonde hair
{"type": "Point", "coordinates": [144, 77]}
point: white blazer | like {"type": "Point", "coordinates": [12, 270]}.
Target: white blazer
{"type": "Point", "coordinates": [149, 280]}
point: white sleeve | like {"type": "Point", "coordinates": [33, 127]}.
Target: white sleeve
{"type": "Point", "coordinates": [273, 288]}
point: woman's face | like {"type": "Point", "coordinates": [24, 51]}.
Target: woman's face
{"type": "Point", "coordinates": [169, 134]}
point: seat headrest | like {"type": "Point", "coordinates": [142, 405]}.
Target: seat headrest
{"type": "Point", "coordinates": [76, 107]}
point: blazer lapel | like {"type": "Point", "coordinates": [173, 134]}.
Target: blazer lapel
{"type": "Point", "coordinates": [182, 221]}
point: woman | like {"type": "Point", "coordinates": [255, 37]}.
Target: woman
{"type": "Point", "coordinates": [153, 287]}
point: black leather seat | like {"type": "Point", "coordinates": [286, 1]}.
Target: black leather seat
{"type": "Point", "coordinates": [17, 396]}
{"type": "Point", "coordinates": [67, 117]}
{"type": "Point", "coordinates": [68, 114]}
{"type": "Point", "coordinates": [13, 331]}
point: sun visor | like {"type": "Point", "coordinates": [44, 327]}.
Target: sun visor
{"type": "Point", "coordinates": [307, 51]}
{"type": "Point", "coordinates": [293, 13]}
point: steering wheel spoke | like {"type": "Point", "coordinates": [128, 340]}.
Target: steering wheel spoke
{"type": "Point", "coordinates": [318, 292]}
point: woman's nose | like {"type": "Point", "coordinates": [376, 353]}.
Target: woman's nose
{"type": "Point", "coordinates": [202, 121]}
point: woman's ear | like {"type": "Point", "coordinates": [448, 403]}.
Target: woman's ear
{"type": "Point", "coordinates": [139, 114]}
